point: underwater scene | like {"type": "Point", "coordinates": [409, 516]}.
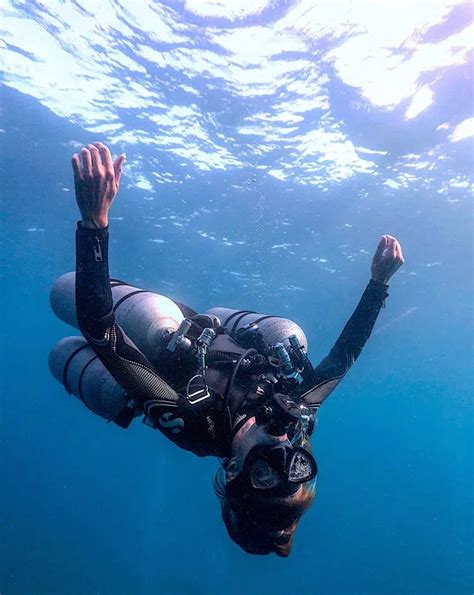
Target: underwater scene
{"type": "Point", "coordinates": [290, 186]}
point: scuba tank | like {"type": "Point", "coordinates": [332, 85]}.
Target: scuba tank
{"type": "Point", "coordinates": [259, 331]}
{"type": "Point", "coordinates": [146, 317]}
{"type": "Point", "coordinates": [158, 328]}
{"type": "Point", "coordinates": [74, 364]}
{"type": "Point", "coordinates": [149, 319]}
{"type": "Point", "coordinates": [270, 336]}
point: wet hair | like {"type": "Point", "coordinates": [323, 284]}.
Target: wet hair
{"type": "Point", "coordinates": [262, 524]}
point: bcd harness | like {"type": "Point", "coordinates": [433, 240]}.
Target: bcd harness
{"type": "Point", "coordinates": [278, 373]}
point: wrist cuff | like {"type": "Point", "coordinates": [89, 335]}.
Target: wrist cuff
{"type": "Point", "coordinates": [379, 289]}
{"type": "Point", "coordinates": [92, 232]}
{"type": "Point", "coordinates": [379, 284]}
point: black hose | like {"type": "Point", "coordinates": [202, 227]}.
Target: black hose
{"type": "Point", "coordinates": [230, 383]}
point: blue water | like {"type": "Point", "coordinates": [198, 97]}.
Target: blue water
{"type": "Point", "coordinates": [264, 212]}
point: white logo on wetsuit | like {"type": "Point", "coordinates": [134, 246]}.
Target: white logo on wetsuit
{"type": "Point", "coordinates": [175, 424]}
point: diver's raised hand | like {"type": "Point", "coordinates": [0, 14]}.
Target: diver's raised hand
{"type": "Point", "coordinates": [96, 180]}
{"type": "Point", "coordinates": [388, 258]}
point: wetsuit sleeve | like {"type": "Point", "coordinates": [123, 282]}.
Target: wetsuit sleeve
{"type": "Point", "coordinates": [327, 375]}
{"type": "Point", "coordinates": [127, 364]}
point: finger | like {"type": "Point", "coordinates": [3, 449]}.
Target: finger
{"type": "Point", "coordinates": [86, 162]}
{"type": "Point", "coordinates": [76, 167]}
{"type": "Point", "coordinates": [391, 247]}
{"type": "Point", "coordinates": [105, 156]}
{"type": "Point", "coordinates": [118, 168]}
{"type": "Point", "coordinates": [397, 264]}
{"type": "Point", "coordinates": [400, 259]}
{"type": "Point", "coordinates": [400, 252]}
{"type": "Point", "coordinates": [95, 157]}
{"type": "Point", "coordinates": [380, 248]}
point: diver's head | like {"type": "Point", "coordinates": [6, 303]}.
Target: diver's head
{"type": "Point", "coordinates": [265, 487]}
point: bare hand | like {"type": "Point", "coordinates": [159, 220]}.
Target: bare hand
{"type": "Point", "coordinates": [388, 258]}
{"type": "Point", "coordinates": [96, 180]}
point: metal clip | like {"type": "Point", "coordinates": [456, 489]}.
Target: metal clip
{"type": "Point", "coordinates": [204, 341]}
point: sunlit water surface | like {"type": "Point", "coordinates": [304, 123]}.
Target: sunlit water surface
{"type": "Point", "coordinates": [269, 145]}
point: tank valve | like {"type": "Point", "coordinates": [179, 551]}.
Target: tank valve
{"type": "Point", "coordinates": [282, 353]}
{"type": "Point", "coordinates": [204, 341]}
{"type": "Point", "coordinates": [298, 349]}
{"type": "Point", "coordinates": [178, 340]}
{"type": "Point", "coordinates": [286, 365]}
{"type": "Point", "coordinates": [206, 337]}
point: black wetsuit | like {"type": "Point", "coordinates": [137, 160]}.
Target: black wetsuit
{"type": "Point", "coordinates": [200, 427]}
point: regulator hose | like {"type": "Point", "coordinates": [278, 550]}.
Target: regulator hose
{"type": "Point", "coordinates": [230, 384]}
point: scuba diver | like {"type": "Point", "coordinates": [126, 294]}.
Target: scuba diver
{"type": "Point", "coordinates": [231, 384]}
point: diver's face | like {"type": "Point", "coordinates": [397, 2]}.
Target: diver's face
{"type": "Point", "coordinates": [250, 434]}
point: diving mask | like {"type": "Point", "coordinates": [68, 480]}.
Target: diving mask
{"type": "Point", "coordinates": [276, 470]}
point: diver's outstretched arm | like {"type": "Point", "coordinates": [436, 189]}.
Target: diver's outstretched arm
{"type": "Point", "coordinates": [387, 260]}
{"type": "Point", "coordinates": [97, 180]}
{"type": "Point", "coordinates": [95, 314]}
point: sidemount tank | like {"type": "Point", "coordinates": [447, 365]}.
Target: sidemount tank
{"type": "Point", "coordinates": [273, 329]}
{"type": "Point", "coordinates": [74, 364]}
{"type": "Point", "coordinates": [143, 315]}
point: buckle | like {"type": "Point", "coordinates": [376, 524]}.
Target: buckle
{"type": "Point", "coordinates": [197, 389]}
